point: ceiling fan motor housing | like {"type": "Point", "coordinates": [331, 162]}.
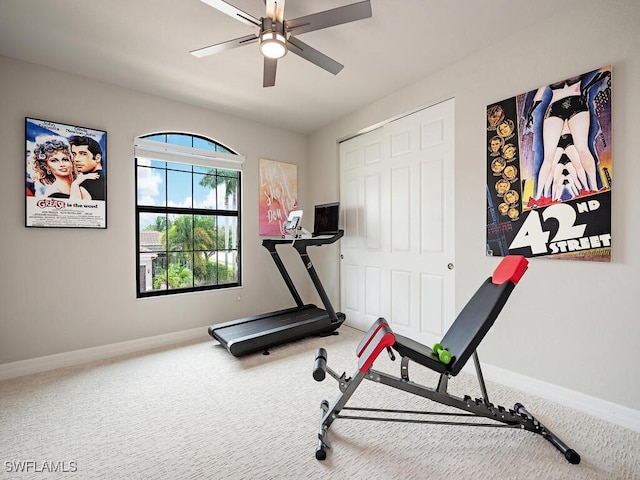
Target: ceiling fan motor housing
{"type": "Point", "coordinates": [273, 39]}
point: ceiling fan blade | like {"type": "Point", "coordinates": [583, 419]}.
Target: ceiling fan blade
{"type": "Point", "coordinates": [269, 73]}
{"type": "Point", "coordinates": [221, 47]}
{"type": "Point", "coordinates": [329, 18]}
{"type": "Point", "coordinates": [234, 12]}
{"type": "Point", "coordinates": [314, 56]}
{"type": "Point", "coordinates": [275, 10]}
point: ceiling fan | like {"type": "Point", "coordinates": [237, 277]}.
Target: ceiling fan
{"type": "Point", "coordinates": [276, 35]}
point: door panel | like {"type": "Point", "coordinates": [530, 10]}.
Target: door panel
{"type": "Point", "coordinates": [372, 219]}
{"type": "Point", "coordinates": [396, 192]}
{"type": "Point", "coordinates": [432, 188]}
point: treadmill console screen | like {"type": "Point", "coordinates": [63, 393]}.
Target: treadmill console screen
{"type": "Point", "coordinates": [325, 220]}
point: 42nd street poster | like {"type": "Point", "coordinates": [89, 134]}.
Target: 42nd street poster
{"type": "Point", "coordinates": [549, 170]}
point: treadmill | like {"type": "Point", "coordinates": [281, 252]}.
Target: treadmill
{"type": "Point", "coordinates": [260, 332]}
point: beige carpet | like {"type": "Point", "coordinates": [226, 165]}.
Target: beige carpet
{"type": "Point", "coordinates": [195, 412]}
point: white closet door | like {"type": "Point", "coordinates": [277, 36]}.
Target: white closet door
{"type": "Point", "coordinates": [397, 255]}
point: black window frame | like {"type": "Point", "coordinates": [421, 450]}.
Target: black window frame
{"type": "Point", "coordinates": [167, 211]}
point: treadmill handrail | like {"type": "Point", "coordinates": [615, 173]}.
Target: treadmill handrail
{"type": "Point", "coordinates": [269, 243]}
{"type": "Point", "coordinates": [301, 244]}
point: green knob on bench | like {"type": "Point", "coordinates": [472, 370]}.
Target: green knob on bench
{"type": "Point", "coordinates": [442, 353]}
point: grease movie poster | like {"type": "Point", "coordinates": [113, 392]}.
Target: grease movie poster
{"type": "Point", "coordinates": [65, 175]}
{"type": "Point", "coordinates": [549, 170]}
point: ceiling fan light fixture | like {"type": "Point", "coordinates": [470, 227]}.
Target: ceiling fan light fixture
{"type": "Point", "coordinates": [273, 44]}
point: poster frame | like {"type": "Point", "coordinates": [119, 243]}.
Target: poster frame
{"type": "Point", "coordinates": [55, 201]}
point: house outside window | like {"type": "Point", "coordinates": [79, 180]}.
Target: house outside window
{"type": "Point", "coordinates": [188, 216]}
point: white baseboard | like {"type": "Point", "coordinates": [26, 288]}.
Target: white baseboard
{"type": "Point", "coordinates": [77, 357]}
{"type": "Point", "coordinates": [603, 409]}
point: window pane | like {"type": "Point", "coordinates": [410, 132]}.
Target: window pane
{"type": "Point", "coordinates": [147, 162]}
{"type": "Point", "coordinates": [159, 274]}
{"type": "Point", "coordinates": [179, 274]}
{"type": "Point", "coordinates": [180, 233]}
{"type": "Point", "coordinates": [228, 173]}
{"type": "Point", "coordinates": [161, 137]}
{"type": "Point", "coordinates": [205, 244]}
{"type": "Point", "coordinates": [152, 235]}
{"type": "Point", "coordinates": [205, 271]}
{"type": "Point", "coordinates": [204, 144]}
{"type": "Point", "coordinates": [230, 198]}
{"type": "Point", "coordinates": [180, 139]}
{"type": "Point", "coordinates": [156, 163]}
{"type": "Point", "coordinates": [179, 189]}
{"type": "Point", "coordinates": [227, 233]}
{"type": "Point", "coordinates": [151, 186]}
{"type": "Point", "coordinates": [205, 233]}
{"type": "Point", "coordinates": [204, 191]}
{"type": "Point", "coordinates": [226, 266]}
{"type": "Point", "coordinates": [207, 170]}
{"type": "Point", "coordinates": [234, 268]}
{"type": "Point", "coordinates": [226, 183]}
{"type": "Point", "coordinates": [179, 166]}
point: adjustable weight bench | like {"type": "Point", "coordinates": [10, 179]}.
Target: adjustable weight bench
{"type": "Point", "coordinates": [461, 341]}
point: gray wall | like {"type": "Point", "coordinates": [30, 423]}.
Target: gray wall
{"type": "Point", "coordinates": [64, 290]}
{"type": "Point", "coordinates": [564, 316]}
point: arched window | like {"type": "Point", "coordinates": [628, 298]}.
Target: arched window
{"type": "Point", "coordinates": [187, 214]}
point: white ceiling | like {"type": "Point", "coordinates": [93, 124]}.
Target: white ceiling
{"type": "Point", "coordinates": [145, 44]}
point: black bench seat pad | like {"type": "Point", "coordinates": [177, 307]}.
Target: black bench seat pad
{"type": "Point", "coordinates": [419, 353]}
